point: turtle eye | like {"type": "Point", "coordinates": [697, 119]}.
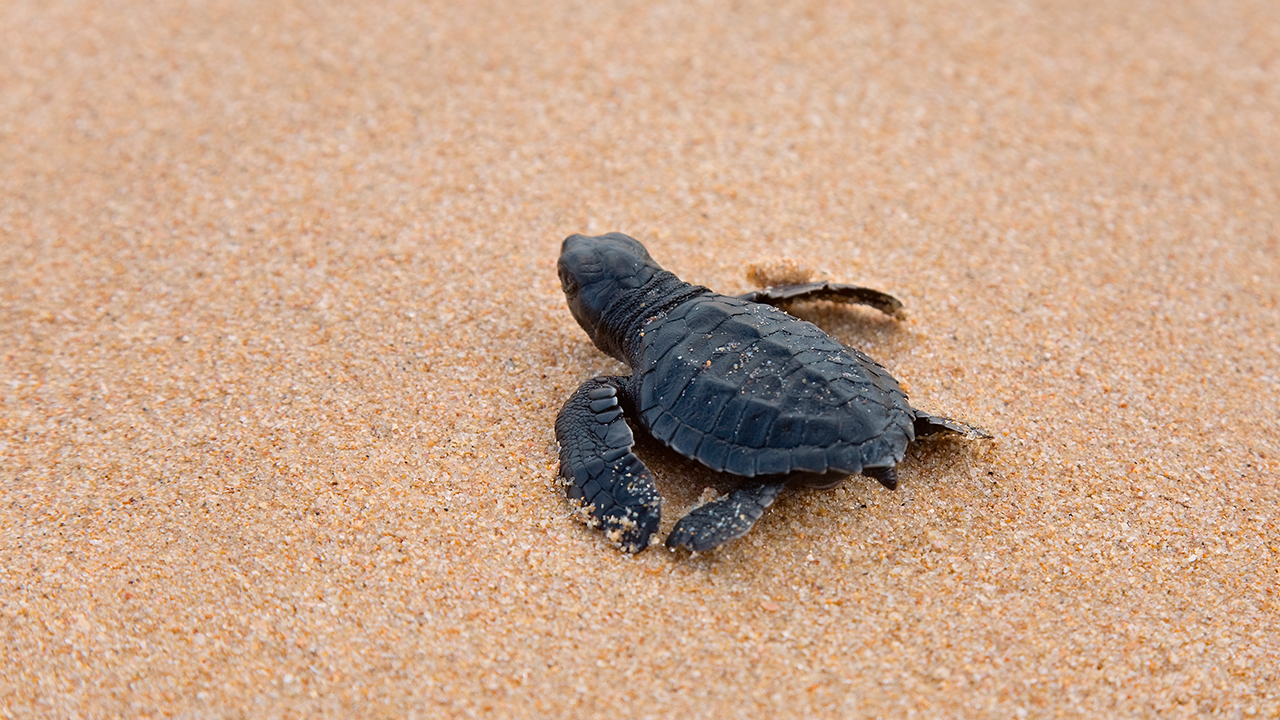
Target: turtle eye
{"type": "Point", "coordinates": [568, 283]}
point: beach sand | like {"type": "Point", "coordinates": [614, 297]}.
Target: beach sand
{"type": "Point", "coordinates": [282, 347]}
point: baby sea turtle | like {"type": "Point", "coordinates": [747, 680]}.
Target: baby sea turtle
{"type": "Point", "coordinates": [732, 382]}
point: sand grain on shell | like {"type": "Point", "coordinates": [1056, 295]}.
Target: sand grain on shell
{"type": "Point", "coordinates": [283, 346]}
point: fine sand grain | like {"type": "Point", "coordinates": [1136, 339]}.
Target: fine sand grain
{"type": "Point", "coordinates": [282, 344]}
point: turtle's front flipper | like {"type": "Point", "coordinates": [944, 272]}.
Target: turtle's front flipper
{"type": "Point", "coordinates": [927, 424]}
{"type": "Point", "coordinates": [724, 519]}
{"type": "Point", "coordinates": [609, 485]}
{"type": "Point", "coordinates": [836, 292]}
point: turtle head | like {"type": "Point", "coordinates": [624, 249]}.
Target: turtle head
{"type": "Point", "coordinates": [595, 274]}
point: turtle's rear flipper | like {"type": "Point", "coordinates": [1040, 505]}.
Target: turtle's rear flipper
{"type": "Point", "coordinates": [724, 519]}
{"type": "Point", "coordinates": [927, 424]}
{"type": "Point", "coordinates": [836, 292]}
{"type": "Point", "coordinates": [886, 476]}
{"type": "Point", "coordinates": [609, 485]}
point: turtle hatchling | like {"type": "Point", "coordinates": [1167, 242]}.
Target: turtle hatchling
{"type": "Point", "coordinates": [732, 382]}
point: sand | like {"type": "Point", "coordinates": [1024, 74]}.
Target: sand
{"type": "Point", "coordinates": [282, 346]}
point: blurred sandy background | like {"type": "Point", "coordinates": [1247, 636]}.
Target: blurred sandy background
{"type": "Point", "coordinates": [281, 346]}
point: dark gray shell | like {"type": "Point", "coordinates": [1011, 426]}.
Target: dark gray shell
{"type": "Point", "coordinates": [748, 389]}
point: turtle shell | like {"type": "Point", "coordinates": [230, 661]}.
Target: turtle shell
{"type": "Point", "coordinates": [748, 389]}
